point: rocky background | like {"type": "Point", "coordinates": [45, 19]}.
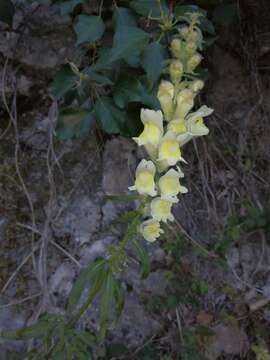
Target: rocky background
{"type": "Point", "coordinates": [54, 209]}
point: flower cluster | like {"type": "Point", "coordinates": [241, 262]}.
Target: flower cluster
{"type": "Point", "coordinates": [166, 131]}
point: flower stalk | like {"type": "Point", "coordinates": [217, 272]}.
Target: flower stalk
{"type": "Point", "coordinates": [167, 130]}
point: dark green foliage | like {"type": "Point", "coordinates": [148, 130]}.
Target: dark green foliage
{"type": "Point", "coordinates": [73, 123]}
{"type": "Point", "coordinates": [88, 28]}
{"type": "Point", "coordinates": [7, 11]}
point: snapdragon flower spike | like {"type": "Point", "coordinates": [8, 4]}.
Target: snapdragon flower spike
{"type": "Point", "coordinates": [169, 149]}
{"type": "Point", "coordinates": [150, 230]}
{"type": "Point", "coordinates": [170, 186]}
{"type": "Point", "coordinates": [161, 209]}
{"type": "Point", "coordinates": [153, 127]}
{"type": "Point", "coordinates": [144, 182]}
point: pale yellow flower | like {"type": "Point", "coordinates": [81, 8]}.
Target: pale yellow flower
{"type": "Point", "coordinates": [153, 127]}
{"type": "Point", "coordinates": [195, 125]}
{"type": "Point", "coordinates": [177, 126]}
{"type": "Point", "coordinates": [144, 182]}
{"type": "Point", "coordinates": [165, 96]}
{"type": "Point", "coordinates": [185, 102]}
{"type": "Point", "coordinates": [170, 186]}
{"type": "Point", "coordinates": [150, 230]}
{"type": "Point", "coordinates": [169, 149]}
{"type": "Point", "coordinates": [161, 209]}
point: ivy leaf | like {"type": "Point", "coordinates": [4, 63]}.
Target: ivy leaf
{"type": "Point", "coordinates": [68, 6]}
{"type": "Point", "coordinates": [7, 11]}
{"type": "Point", "coordinates": [109, 117]}
{"type": "Point", "coordinates": [123, 17]}
{"type": "Point", "coordinates": [149, 7]}
{"type": "Point", "coordinates": [73, 123]}
{"type": "Point", "coordinates": [127, 89]}
{"type": "Point", "coordinates": [64, 81]}
{"type": "Point", "coordinates": [153, 61]}
{"type": "Point", "coordinates": [128, 41]}
{"type": "Point", "coordinates": [88, 28]}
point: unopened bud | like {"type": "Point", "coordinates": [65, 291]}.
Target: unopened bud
{"type": "Point", "coordinates": [193, 62]}
{"type": "Point", "coordinates": [176, 48]}
{"type": "Point", "coordinates": [196, 85]}
{"type": "Point", "coordinates": [165, 96]}
{"type": "Point", "coordinates": [184, 31]}
{"type": "Point", "coordinates": [176, 71]}
{"type": "Point", "coordinates": [194, 36]}
{"type": "Point", "coordinates": [190, 48]}
{"type": "Point", "coordinates": [185, 102]}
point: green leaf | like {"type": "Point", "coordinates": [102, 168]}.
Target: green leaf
{"type": "Point", "coordinates": [143, 258]}
{"type": "Point", "coordinates": [149, 7]}
{"type": "Point", "coordinates": [68, 6]}
{"type": "Point", "coordinates": [88, 28]}
{"type": "Point", "coordinates": [106, 303]}
{"type": "Point", "coordinates": [183, 10]}
{"type": "Point", "coordinates": [64, 81]}
{"type": "Point", "coordinates": [207, 26]}
{"type": "Point", "coordinates": [119, 296]}
{"type": "Point", "coordinates": [83, 281]}
{"type": "Point", "coordinates": [109, 117]}
{"type": "Point", "coordinates": [127, 89]}
{"type": "Point", "coordinates": [123, 17]}
{"type": "Point", "coordinates": [153, 61]}
{"type": "Point", "coordinates": [225, 14]}
{"type": "Point", "coordinates": [73, 123]}
{"type": "Point", "coordinates": [128, 42]}
{"type": "Point", "coordinates": [7, 11]}
{"type": "Point", "coordinates": [122, 197]}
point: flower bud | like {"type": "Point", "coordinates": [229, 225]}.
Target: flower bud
{"type": "Point", "coordinates": [194, 36]}
{"type": "Point", "coordinates": [165, 97]}
{"type": "Point", "coordinates": [176, 48]}
{"type": "Point", "coordinates": [190, 48]}
{"type": "Point", "coordinates": [184, 32]}
{"type": "Point", "coordinates": [176, 71]}
{"type": "Point", "coordinates": [196, 85]}
{"type": "Point", "coordinates": [193, 62]}
{"type": "Point", "coordinates": [185, 102]}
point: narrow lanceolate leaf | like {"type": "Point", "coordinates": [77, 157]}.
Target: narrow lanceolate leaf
{"type": "Point", "coordinates": [129, 41]}
{"type": "Point", "coordinates": [119, 296]}
{"type": "Point", "coordinates": [88, 28]}
{"type": "Point", "coordinates": [150, 7]}
{"type": "Point", "coordinates": [83, 280]}
{"type": "Point", "coordinates": [153, 61]}
{"type": "Point", "coordinates": [7, 11]}
{"type": "Point", "coordinates": [73, 123]}
{"type": "Point", "coordinates": [64, 81]}
{"type": "Point", "coordinates": [184, 10]}
{"type": "Point", "coordinates": [106, 303]}
{"type": "Point", "coordinates": [143, 258]}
